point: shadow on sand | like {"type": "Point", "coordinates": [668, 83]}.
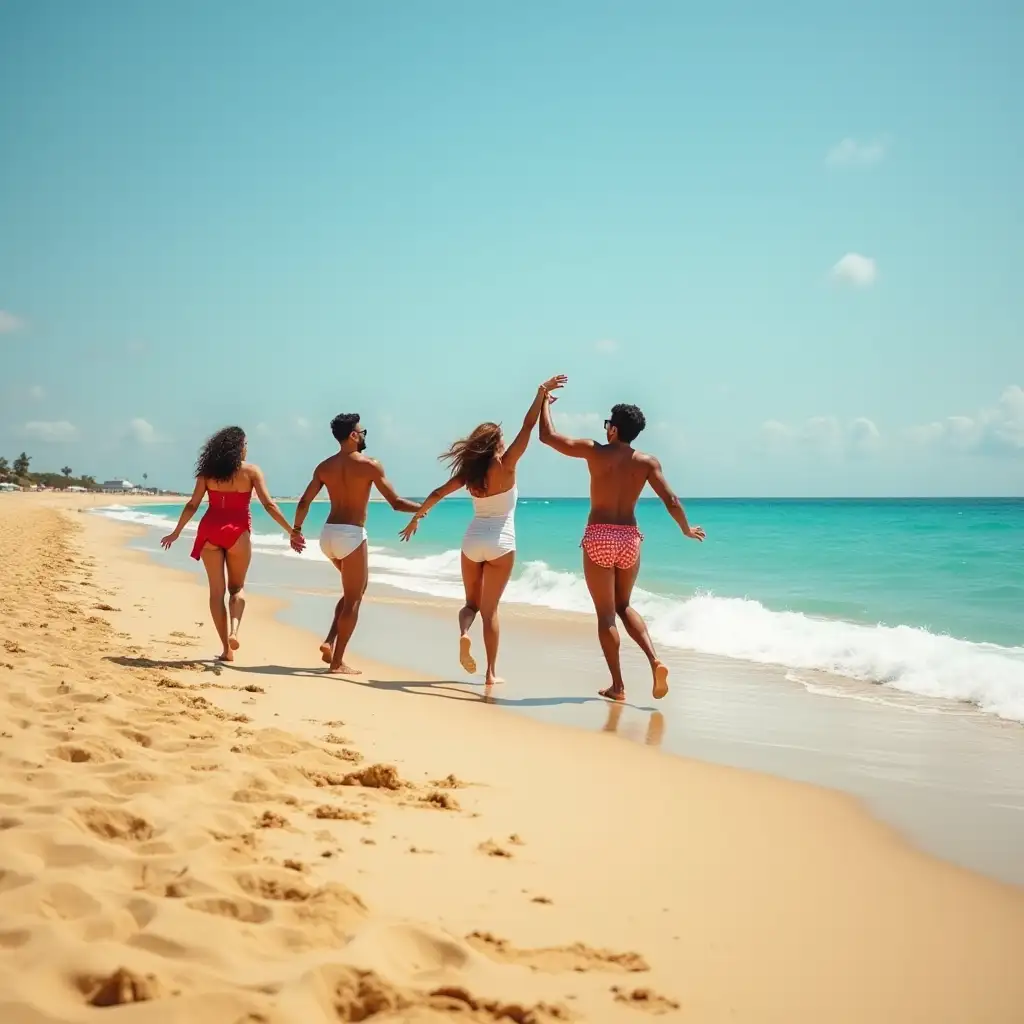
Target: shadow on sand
{"type": "Point", "coordinates": [447, 689]}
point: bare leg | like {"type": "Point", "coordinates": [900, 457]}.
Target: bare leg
{"type": "Point", "coordinates": [495, 580]}
{"type": "Point", "coordinates": [213, 560]}
{"type": "Point", "coordinates": [601, 584]}
{"type": "Point", "coordinates": [327, 647]}
{"type": "Point", "coordinates": [472, 580]}
{"type": "Point", "coordinates": [354, 570]}
{"type": "Point", "coordinates": [237, 558]}
{"type": "Point", "coordinates": [636, 627]}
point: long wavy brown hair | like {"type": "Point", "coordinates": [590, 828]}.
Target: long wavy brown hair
{"type": "Point", "coordinates": [470, 457]}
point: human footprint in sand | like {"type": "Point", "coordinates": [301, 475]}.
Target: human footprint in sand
{"type": "Point", "coordinates": [487, 469]}
{"type": "Point", "coordinates": [349, 476]}
{"type": "Point", "coordinates": [611, 541]}
{"type": "Point", "coordinates": [223, 538]}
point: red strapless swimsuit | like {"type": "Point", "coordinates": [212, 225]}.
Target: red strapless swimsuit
{"type": "Point", "coordinates": [227, 518]}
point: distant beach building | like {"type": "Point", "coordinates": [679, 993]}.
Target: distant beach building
{"type": "Point", "coordinates": [75, 489]}
{"type": "Point", "coordinates": [9, 487]}
{"type": "Point", "coordinates": [118, 487]}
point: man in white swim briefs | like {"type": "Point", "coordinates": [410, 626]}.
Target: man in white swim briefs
{"type": "Point", "coordinates": [348, 477]}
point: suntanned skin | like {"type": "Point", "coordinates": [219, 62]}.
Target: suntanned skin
{"type": "Point", "coordinates": [349, 477]}
{"type": "Point", "coordinates": [618, 475]}
{"type": "Point", "coordinates": [226, 570]}
{"type": "Point", "coordinates": [485, 582]}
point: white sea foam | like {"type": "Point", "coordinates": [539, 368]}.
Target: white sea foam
{"type": "Point", "coordinates": [903, 657]}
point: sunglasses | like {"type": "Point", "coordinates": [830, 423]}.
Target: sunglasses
{"type": "Point", "coordinates": [608, 424]}
{"type": "Point", "coordinates": [362, 432]}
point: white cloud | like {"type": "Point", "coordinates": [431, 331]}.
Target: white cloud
{"type": "Point", "coordinates": [50, 431]}
{"type": "Point", "coordinates": [863, 436]}
{"type": "Point", "coordinates": [824, 435]}
{"type": "Point", "coordinates": [37, 393]}
{"type": "Point", "coordinates": [262, 430]}
{"type": "Point", "coordinates": [854, 153]}
{"type": "Point", "coordinates": [9, 323]}
{"type": "Point", "coordinates": [301, 424]}
{"type": "Point", "coordinates": [854, 269]}
{"type": "Point", "coordinates": [994, 430]}
{"type": "Point", "coordinates": [606, 346]}
{"type": "Point", "coordinates": [578, 424]}
{"type": "Point", "coordinates": [142, 431]}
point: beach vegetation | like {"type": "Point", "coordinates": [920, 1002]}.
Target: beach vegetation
{"type": "Point", "coordinates": [18, 472]}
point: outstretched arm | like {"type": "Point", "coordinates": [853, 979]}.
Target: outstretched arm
{"type": "Point", "coordinates": [449, 487]}
{"type": "Point", "coordinates": [190, 509]}
{"type": "Point", "coordinates": [259, 485]}
{"type": "Point", "coordinates": [313, 488]}
{"type": "Point", "coordinates": [387, 490]}
{"type": "Point", "coordinates": [575, 448]}
{"type": "Point", "coordinates": [656, 478]}
{"type": "Point", "coordinates": [517, 448]}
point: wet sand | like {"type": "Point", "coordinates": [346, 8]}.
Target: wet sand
{"type": "Point", "coordinates": [186, 839]}
{"type": "Point", "coordinates": [948, 776]}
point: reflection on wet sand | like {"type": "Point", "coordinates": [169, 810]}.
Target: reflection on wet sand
{"type": "Point", "coordinates": [655, 724]}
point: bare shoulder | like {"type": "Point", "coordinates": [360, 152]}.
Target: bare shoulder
{"type": "Point", "coordinates": [650, 462]}
{"type": "Point", "coordinates": [251, 471]}
{"type": "Point", "coordinates": [370, 466]}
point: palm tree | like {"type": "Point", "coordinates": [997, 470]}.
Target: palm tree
{"type": "Point", "coordinates": [20, 466]}
{"type": "Point", "coordinates": [5, 468]}
{"type": "Point", "coordinates": [67, 472]}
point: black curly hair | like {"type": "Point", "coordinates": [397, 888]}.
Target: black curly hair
{"type": "Point", "coordinates": [221, 457]}
{"type": "Point", "coordinates": [629, 420]}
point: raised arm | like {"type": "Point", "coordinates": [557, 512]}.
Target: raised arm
{"type": "Point", "coordinates": [575, 448]}
{"type": "Point", "coordinates": [660, 486]}
{"type": "Point", "coordinates": [517, 448]}
{"type": "Point", "coordinates": [259, 485]}
{"type": "Point", "coordinates": [387, 490]}
{"type": "Point", "coordinates": [449, 487]}
{"type": "Point", "coordinates": [190, 509]}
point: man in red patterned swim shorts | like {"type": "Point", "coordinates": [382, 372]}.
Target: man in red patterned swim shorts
{"type": "Point", "coordinates": [611, 541]}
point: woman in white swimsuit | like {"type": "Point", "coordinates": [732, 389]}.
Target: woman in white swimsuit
{"type": "Point", "coordinates": [487, 469]}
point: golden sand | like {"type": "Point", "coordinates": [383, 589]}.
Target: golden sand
{"type": "Point", "coordinates": [184, 841]}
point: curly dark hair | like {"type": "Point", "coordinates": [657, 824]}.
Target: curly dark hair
{"type": "Point", "coordinates": [343, 424]}
{"type": "Point", "coordinates": [221, 457]}
{"type": "Point", "coordinates": [470, 457]}
{"type": "Point", "coordinates": [629, 421]}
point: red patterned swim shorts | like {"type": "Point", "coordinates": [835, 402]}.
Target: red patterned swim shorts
{"type": "Point", "coordinates": [612, 545]}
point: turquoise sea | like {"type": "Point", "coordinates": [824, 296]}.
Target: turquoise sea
{"type": "Point", "coordinates": [923, 595]}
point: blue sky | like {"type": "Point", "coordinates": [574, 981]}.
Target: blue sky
{"type": "Point", "coordinates": [792, 235]}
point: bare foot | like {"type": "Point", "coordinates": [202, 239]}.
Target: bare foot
{"type": "Point", "coordinates": [465, 658]}
{"type": "Point", "coordinates": [228, 655]}
{"type": "Point", "coordinates": [233, 642]}
{"type": "Point", "coordinates": [326, 653]}
{"type": "Point", "coordinates": [660, 680]}
{"type": "Point", "coordinates": [491, 680]}
{"type": "Point", "coordinates": [343, 670]}
{"type": "Point", "coordinates": [612, 694]}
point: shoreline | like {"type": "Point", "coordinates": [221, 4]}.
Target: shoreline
{"type": "Point", "coordinates": [748, 898]}
{"type": "Point", "coordinates": [947, 776]}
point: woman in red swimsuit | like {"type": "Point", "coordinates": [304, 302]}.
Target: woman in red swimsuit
{"type": "Point", "coordinates": [223, 537]}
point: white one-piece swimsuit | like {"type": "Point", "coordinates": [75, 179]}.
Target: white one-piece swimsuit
{"type": "Point", "coordinates": [492, 532]}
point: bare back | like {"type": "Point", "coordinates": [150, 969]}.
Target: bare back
{"type": "Point", "coordinates": [500, 478]}
{"type": "Point", "coordinates": [348, 477]}
{"type": "Point", "coordinates": [618, 475]}
{"type": "Point", "coordinates": [241, 483]}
